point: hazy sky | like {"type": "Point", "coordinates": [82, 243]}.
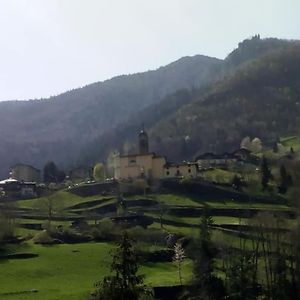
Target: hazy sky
{"type": "Point", "coordinates": [50, 46]}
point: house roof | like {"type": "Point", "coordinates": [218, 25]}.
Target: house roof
{"type": "Point", "coordinates": [225, 155]}
{"type": "Point", "coordinates": [8, 180]}
{"type": "Point", "coordinates": [187, 163]}
{"type": "Point", "coordinates": [25, 165]}
{"type": "Point", "coordinates": [242, 150]}
{"type": "Point", "coordinates": [209, 155]}
{"type": "Point", "coordinates": [147, 154]}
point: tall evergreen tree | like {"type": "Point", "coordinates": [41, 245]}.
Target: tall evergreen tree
{"type": "Point", "coordinates": [266, 174]}
{"type": "Point", "coordinates": [52, 173]}
{"type": "Point", "coordinates": [125, 284]}
{"type": "Point", "coordinates": [207, 285]}
{"type": "Point", "coordinates": [285, 180]}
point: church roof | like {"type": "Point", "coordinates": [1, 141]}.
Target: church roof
{"type": "Point", "coordinates": [146, 154]}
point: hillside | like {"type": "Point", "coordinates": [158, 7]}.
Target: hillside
{"type": "Point", "coordinates": [38, 130]}
{"type": "Point", "coordinates": [257, 98]}
{"type": "Point", "coordinates": [260, 100]}
{"type": "Point", "coordinates": [192, 105]}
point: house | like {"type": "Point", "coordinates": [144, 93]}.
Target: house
{"type": "Point", "coordinates": [209, 159]}
{"type": "Point", "coordinates": [81, 173]}
{"type": "Point", "coordinates": [26, 173]}
{"type": "Point", "coordinates": [242, 154]}
{"type": "Point", "coordinates": [184, 169]}
{"type": "Point", "coordinates": [14, 189]}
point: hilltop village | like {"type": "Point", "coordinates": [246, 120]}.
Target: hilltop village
{"type": "Point", "coordinates": [25, 181]}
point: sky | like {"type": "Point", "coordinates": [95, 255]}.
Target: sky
{"type": "Point", "coordinates": [51, 46]}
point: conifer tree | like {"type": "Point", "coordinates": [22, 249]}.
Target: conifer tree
{"type": "Point", "coordinates": [266, 174]}
{"type": "Point", "coordinates": [124, 284]}
{"type": "Point", "coordinates": [284, 180]}
{"type": "Point", "coordinates": [207, 285]}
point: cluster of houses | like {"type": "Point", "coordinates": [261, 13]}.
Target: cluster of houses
{"type": "Point", "coordinates": [24, 179]}
{"type": "Point", "coordinates": [150, 165]}
{"type": "Point", "coordinates": [22, 182]}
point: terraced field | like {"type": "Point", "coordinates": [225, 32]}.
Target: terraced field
{"type": "Point", "coordinates": [58, 267]}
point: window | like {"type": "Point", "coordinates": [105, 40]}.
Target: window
{"type": "Point", "coordinates": [168, 173]}
{"type": "Point", "coordinates": [189, 170]}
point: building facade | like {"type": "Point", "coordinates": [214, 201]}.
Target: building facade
{"type": "Point", "coordinates": [149, 165]}
{"type": "Point", "coordinates": [209, 159]}
{"type": "Point", "coordinates": [26, 173]}
{"type": "Point", "coordinates": [185, 169]}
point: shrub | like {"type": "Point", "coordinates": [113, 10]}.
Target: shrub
{"type": "Point", "coordinates": [151, 236]}
{"type": "Point", "coordinates": [68, 235]}
{"type": "Point", "coordinates": [106, 230]}
{"type": "Point", "coordinates": [43, 238]}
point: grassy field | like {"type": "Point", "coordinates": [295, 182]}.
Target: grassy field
{"type": "Point", "coordinates": [69, 271]}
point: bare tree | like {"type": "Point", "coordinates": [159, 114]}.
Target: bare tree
{"type": "Point", "coordinates": [179, 256]}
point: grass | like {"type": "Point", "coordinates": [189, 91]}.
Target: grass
{"type": "Point", "coordinates": [218, 175]}
{"type": "Point", "coordinates": [69, 271]}
{"type": "Point", "coordinates": [169, 199]}
{"type": "Point", "coordinates": [182, 230]}
{"type": "Point", "coordinates": [64, 197]}
{"type": "Point", "coordinates": [160, 274]}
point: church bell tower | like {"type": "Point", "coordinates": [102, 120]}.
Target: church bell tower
{"type": "Point", "coordinates": [143, 142]}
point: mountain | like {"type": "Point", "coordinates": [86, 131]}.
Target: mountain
{"type": "Point", "coordinates": [256, 95]}
{"type": "Point", "coordinates": [56, 128]}
{"type": "Point", "coordinates": [261, 99]}
{"type": "Point", "coordinates": [192, 105]}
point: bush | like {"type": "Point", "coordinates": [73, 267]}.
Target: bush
{"type": "Point", "coordinates": [43, 238]}
{"type": "Point", "coordinates": [151, 236]}
{"type": "Point", "coordinates": [68, 235]}
{"type": "Point", "coordinates": [106, 230]}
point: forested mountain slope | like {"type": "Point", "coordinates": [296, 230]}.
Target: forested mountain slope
{"type": "Point", "coordinates": [258, 98]}
{"type": "Point", "coordinates": [261, 99]}
{"type": "Point", "coordinates": [56, 128]}
{"type": "Point", "coordinates": [194, 104]}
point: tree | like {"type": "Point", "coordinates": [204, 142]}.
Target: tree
{"type": "Point", "coordinates": [245, 143]}
{"type": "Point", "coordinates": [99, 172]}
{"type": "Point", "coordinates": [285, 180]}
{"type": "Point", "coordinates": [178, 258]}
{"type": "Point", "coordinates": [241, 277]}
{"type": "Point", "coordinates": [255, 145]}
{"type": "Point", "coordinates": [236, 182]}
{"type": "Point", "coordinates": [111, 163]}
{"type": "Point", "coordinates": [50, 204]}
{"type": "Point", "coordinates": [52, 174]}
{"type": "Point", "coordinates": [208, 286]}
{"type": "Point", "coordinates": [275, 147]}
{"type": "Point", "coordinates": [124, 284]}
{"type": "Point", "coordinates": [266, 174]}
{"type": "Point", "coordinates": [241, 270]}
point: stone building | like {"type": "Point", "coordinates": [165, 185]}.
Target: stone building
{"type": "Point", "coordinates": [142, 164]}
{"type": "Point", "coordinates": [149, 165]}
{"type": "Point", "coordinates": [26, 173]}
{"type": "Point", "coordinates": [184, 169]}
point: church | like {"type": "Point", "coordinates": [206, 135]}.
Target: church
{"type": "Point", "coordinates": [149, 165]}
